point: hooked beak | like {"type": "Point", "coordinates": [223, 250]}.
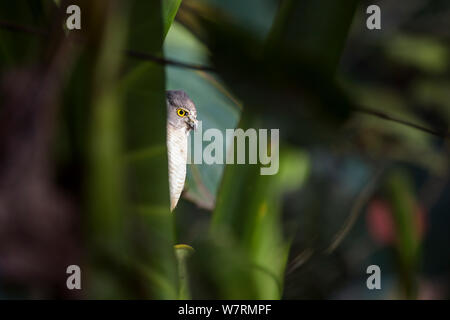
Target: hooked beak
{"type": "Point", "coordinates": [192, 122]}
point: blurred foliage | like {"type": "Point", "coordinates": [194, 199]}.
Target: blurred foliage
{"type": "Point", "coordinates": [83, 164]}
{"type": "Point", "coordinates": [429, 55]}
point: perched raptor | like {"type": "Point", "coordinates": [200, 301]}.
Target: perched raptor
{"type": "Point", "coordinates": [181, 119]}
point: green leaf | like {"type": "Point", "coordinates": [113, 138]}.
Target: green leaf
{"type": "Point", "coordinates": [145, 39]}
{"type": "Point", "coordinates": [145, 156]}
{"type": "Point", "coordinates": [404, 210]}
{"type": "Point", "coordinates": [106, 197]}
{"type": "Point", "coordinates": [131, 224]}
{"type": "Point", "coordinates": [248, 214]}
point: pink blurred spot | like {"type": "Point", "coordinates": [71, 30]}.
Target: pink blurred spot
{"type": "Point", "coordinates": [381, 224]}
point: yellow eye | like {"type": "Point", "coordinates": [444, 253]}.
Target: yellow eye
{"type": "Point", "coordinates": [181, 112]}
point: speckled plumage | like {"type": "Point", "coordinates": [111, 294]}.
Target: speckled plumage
{"type": "Point", "coordinates": [178, 129]}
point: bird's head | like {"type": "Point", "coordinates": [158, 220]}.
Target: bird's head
{"type": "Point", "coordinates": [181, 111]}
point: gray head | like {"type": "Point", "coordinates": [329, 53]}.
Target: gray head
{"type": "Point", "coordinates": [181, 112]}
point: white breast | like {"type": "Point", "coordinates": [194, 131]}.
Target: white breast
{"type": "Point", "coordinates": [177, 144]}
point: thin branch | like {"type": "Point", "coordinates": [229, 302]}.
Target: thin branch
{"type": "Point", "coordinates": [357, 207]}
{"type": "Point", "coordinates": [10, 26]}
{"type": "Point", "coordinates": [438, 133]}
{"type": "Point", "coordinates": [300, 260]}
{"type": "Point", "coordinates": [361, 200]}
{"type": "Point", "coordinates": [221, 88]}
{"type": "Point", "coordinates": [149, 57]}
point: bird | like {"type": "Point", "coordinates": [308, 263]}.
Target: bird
{"type": "Point", "coordinates": [181, 120]}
